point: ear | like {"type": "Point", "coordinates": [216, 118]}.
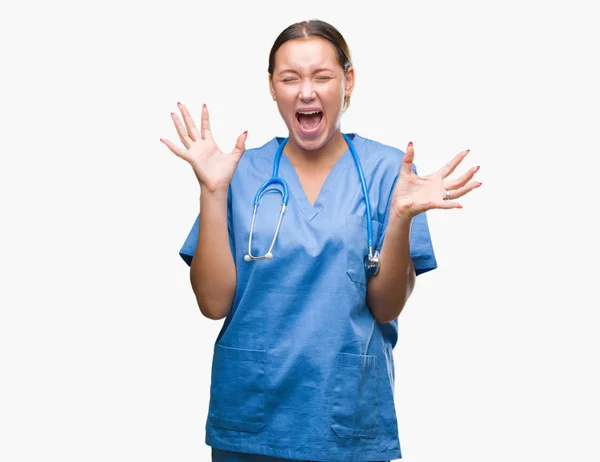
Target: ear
{"type": "Point", "coordinates": [349, 82]}
{"type": "Point", "coordinates": [271, 88]}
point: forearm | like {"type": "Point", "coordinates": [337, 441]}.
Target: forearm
{"type": "Point", "coordinates": [390, 288]}
{"type": "Point", "coordinates": [212, 273]}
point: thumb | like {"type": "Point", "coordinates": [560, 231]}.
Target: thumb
{"type": "Point", "coordinates": [240, 144]}
{"type": "Point", "coordinates": [407, 159]}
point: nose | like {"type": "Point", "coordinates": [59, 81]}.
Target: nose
{"type": "Point", "coordinates": [307, 92]}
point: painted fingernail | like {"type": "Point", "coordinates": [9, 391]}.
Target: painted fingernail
{"type": "Point", "coordinates": [172, 113]}
{"type": "Point", "coordinates": [468, 151]}
{"type": "Point", "coordinates": [246, 133]}
{"type": "Point", "coordinates": [410, 144]}
{"type": "Point", "coordinates": [160, 140]}
{"type": "Point", "coordinates": [204, 105]}
{"type": "Point", "coordinates": [477, 168]}
{"type": "Point", "coordinates": [480, 183]}
{"type": "Point", "coordinates": [459, 206]}
{"type": "Point", "coordinates": [178, 103]}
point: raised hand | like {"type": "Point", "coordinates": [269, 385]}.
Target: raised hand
{"type": "Point", "coordinates": [416, 194]}
{"type": "Point", "coordinates": [213, 168]}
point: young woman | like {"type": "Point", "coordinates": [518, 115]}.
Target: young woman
{"type": "Point", "coordinates": [308, 246]}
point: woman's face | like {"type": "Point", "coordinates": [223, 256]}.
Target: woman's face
{"type": "Point", "coordinates": [309, 87]}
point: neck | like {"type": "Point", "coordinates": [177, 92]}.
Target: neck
{"type": "Point", "coordinates": [325, 156]}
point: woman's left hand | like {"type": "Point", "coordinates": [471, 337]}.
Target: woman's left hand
{"type": "Point", "coordinates": [415, 194]}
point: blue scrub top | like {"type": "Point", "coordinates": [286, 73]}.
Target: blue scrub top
{"type": "Point", "coordinates": [301, 369]}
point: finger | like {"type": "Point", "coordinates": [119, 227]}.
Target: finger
{"type": "Point", "coordinates": [450, 166]}
{"type": "Point", "coordinates": [174, 149]}
{"type": "Point", "coordinates": [205, 124]}
{"type": "Point", "coordinates": [447, 205]}
{"type": "Point", "coordinates": [456, 193]}
{"type": "Point", "coordinates": [240, 145]}
{"type": "Point", "coordinates": [407, 160]}
{"type": "Point", "coordinates": [192, 131]}
{"type": "Point", "coordinates": [463, 180]}
{"type": "Point", "coordinates": [185, 139]}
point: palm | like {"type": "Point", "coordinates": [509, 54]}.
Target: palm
{"type": "Point", "coordinates": [415, 194]}
{"type": "Point", "coordinates": [423, 190]}
{"type": "Point", "coordinates": [213, 168]}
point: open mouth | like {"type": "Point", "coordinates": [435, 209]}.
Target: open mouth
{"type": "Point", "coordinates": [309, 121]}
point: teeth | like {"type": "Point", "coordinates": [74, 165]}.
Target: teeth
{"type": "Point", "coordinates": [308, 113]}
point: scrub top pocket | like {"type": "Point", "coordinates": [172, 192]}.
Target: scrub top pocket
{"type": "Point", "coordinates": [355, 409]}
{"type": "Point", "coordinates": [356, 244]}
{"type": "Point", "coordinates": [237, 389]}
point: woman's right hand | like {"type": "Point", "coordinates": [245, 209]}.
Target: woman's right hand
{"type": "Point", "coordinates": [213, 168]}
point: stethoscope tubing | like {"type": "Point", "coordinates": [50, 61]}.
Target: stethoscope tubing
{"type": "Point", "coordinates": [285, 198]}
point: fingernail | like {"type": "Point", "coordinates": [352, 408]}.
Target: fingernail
{"type": "Point", "coordinates": [204, 105]}
{"type": "Point", "coordinates": [178, 103]}
{"type": "Point", "coordinates": [468, 151]}
{"type": "Point", "coordinates": [160, 140]}
{"type": "Point", "coordinates": [246, 133]}
{"type": "Point", "coordinates": [480, 183]}
{"type": "Point", "coordinates": [410, 144]}
{"type": "Point", "coordinates": [459, 206]}
{"type": "Point", "coordinates": [477, 168]}
{"type": "Point", "coordinates": [172, 113]}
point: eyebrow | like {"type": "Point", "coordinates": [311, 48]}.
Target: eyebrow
{"type": "Point", "coordinates": [321, 69]}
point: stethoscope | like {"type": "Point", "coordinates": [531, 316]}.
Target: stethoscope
{"type": "Point", "coordinates": [371, 260]}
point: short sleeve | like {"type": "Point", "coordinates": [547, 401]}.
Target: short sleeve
{"type": "Point", "coordinates": [421, 247]}
{"type": "Point", "coordinates": [189, 246]}
{"type": "Point", "coordinates": [191, 241]}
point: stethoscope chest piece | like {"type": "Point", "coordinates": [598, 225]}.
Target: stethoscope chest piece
{"type": "Point", "coordinates": [371, 263]}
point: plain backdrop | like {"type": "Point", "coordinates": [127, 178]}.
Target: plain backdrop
{"type": "Point", "coordinates": [104, 354]}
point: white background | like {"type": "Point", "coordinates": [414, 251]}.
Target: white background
{"type": "Point", "coordinates": [104, 354]}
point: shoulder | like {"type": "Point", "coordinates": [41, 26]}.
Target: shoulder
{"type": "Point", "coordinates": [377, 155]}
{"type": "Point", "coordinates": [258, 158]}
{"type": "Point", "coordinates": [261, 151]}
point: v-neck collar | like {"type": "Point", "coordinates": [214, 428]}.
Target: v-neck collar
{"type": "Point", "coordinates": [296, 191]}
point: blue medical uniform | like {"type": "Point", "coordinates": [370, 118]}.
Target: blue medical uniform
{"type": "Point", "coordinates": [301, 370]}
